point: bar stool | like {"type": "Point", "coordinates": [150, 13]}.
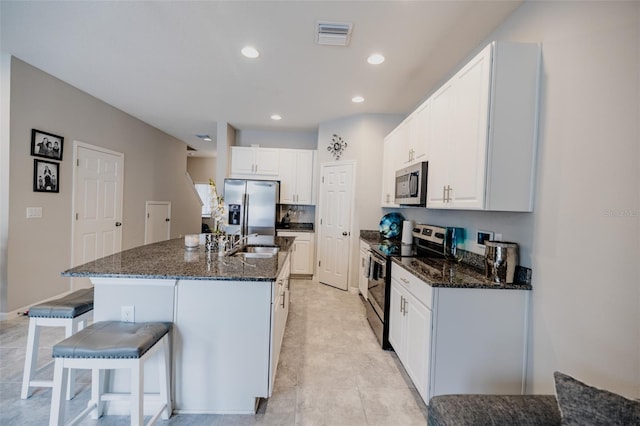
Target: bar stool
{"type": "Point", "coordinates": [72, 312]}
{"type": "Point", "coordinates": [107, 345]}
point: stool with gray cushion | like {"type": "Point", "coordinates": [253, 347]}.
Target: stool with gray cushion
{"type": "Point", "coordinates": [110, 345]}
{"type": "Point", "coordinates": [72, 312]}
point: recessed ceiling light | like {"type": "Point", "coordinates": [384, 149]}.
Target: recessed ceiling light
{"type": "Point", "coordinates": [250, 52]}
{"type": "Point", "coordinates": [204, 137]}
{"type": "Point", "coordinates": [276, 117]}
{"type": "Point", "coordinates": [375, 59]}
{"type": "Point", "coordinates": [357, 99]}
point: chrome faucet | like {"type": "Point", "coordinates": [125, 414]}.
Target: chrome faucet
{"type": "Point", "coordinates": [235, 245]}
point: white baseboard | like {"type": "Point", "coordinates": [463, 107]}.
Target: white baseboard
{"type": "Point", "coordinates": [13, 314]}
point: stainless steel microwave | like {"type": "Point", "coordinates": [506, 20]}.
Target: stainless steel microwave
{"type": "Point", "coordinates": [411, 185]}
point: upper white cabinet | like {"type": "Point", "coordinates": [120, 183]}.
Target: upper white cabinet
{"type": "Point", "coordinates": [483, 132]}
{"type": "Point", "coordinates": [296, 176]}
{"type": "Point", "coordinates": [389, 167]}
{"type": "Point", "coordinates": [412, 137]}
{"type": "Point", "coordinates": [419, 132]}
{"type": "Point", "coordinates": [251, 160]}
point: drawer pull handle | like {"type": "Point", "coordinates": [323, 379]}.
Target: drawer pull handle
{"type": "Point", "coordinates": [404, 280]}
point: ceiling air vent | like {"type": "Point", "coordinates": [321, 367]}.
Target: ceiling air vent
{"type": "Point", "coordinates": [333, 33]}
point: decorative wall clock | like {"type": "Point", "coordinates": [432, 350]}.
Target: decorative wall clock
{"type": "Point", "coordinates": [336, 146]}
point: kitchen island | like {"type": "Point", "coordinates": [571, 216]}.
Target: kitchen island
{"type": "Point", "coordinates": [228, 313]}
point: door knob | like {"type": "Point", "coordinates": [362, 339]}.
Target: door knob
{"type": "Point", "coordinates": [167, 220]}
{"type": "Point", "coordinates": [118, 223]}
{"type": "Point", "coordinates": [345, 233]}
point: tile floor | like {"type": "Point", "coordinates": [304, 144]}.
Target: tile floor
{"type": "Point", "coordinates": [331, 372]}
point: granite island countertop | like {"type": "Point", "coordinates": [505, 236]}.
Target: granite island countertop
{"type": "Point", "coordinates": [170, 260]}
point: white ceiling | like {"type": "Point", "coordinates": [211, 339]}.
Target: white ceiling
{"type": "Point", "coordinates": [177, 65]}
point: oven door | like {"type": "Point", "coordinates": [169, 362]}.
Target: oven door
{"type": "Point", "coordinates": [377, 284]}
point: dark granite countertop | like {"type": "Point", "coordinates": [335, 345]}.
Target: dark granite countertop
{"type": "Point", "coordinates": [170, 260]}
{"type": "Point", "coordinates": [447, 273]}
{"type": "Point", "coordinates": [371, 237]}
{"type": "Point", "coordinates": [295, 227]}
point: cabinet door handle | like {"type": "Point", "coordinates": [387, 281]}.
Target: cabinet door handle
{"type": "Point", "coordinates": [404, 307]}
{"type": "Point", "coordinates": [444, 194]}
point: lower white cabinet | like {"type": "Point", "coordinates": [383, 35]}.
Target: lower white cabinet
{"type": "Point", "coordinates": [458, 340]}
{"type": "Point", "coordinates": [302, 252]}
{"type": "Point", "coordinates": [410, 331]}
{"type": "Point", "coordinates": [363, 277]}
{"type": "Point", "coordinates": [279, 313]}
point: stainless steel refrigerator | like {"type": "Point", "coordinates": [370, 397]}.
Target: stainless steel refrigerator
{"type": "Point", "coordinates": [251, 205]}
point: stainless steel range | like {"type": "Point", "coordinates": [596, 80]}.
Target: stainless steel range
{"type": "Point", "coordinates": [428, 241]}
{"type": "Point", "coordinates": [379, 286]}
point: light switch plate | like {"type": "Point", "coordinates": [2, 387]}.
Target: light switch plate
{"type": "Point", "coordinates": [34, 212]}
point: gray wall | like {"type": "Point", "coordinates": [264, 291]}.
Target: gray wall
{"type": "Point", "coordinates": [154, 169]}
{"type": "Point", "coordinates": [201, 169]}
{"type": "Point", "coordinates": [583, 238]}
{"type": "Point", "coordinates": [364, 135]}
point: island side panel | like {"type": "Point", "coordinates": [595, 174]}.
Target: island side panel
{"type": "Point", "coordinates": [222, 331]}
{"type": "Point", "coordinates": [152, 300]}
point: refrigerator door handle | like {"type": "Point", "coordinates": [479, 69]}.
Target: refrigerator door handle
{"type": "Point", "coordinates": [245, 213]}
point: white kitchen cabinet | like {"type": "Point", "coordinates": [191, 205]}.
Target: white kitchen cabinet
{"type": "Point", "coordinates": [363, 277]}
{"type": "Point", "coordinates": [483, 132]}
{"type": "Point", "coordinates": [302, 252]}
{"type": "Point", "coordinates": [254, 161]}
{"type": "Point", "coordinates": [296, 176]}
{"type": "Point", "coordinates": [458, 340]}
{"type": "Point", "coordinates": [389, 167]}
{"type": "Point", "coordinates": [419, 133]}
{"type": "Point", "coordinates": [410, 329]}
{"type": "Point", "coordinates": [280, 311]}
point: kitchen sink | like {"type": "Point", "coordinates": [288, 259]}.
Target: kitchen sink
{"type": "Point", "coordinates": [257, 251]}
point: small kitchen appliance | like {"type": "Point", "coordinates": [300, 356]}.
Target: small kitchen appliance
{"type": "Point", "coordinates": [500, 261]}
{"type": "Point", "coordinates": [411, 185]}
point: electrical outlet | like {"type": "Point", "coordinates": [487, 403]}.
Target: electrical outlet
{"type": "Point", "coordinates": [127, 314]}
{"type": "Point", "coordinates": [483, 236]}
{"type": "Point", "coordinates": [498, 237]}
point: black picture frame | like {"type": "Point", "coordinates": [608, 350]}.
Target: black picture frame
{"type": "Point", "coordinates": [46, 176]}
{"type": "Point", "coordinates": [46, 145]}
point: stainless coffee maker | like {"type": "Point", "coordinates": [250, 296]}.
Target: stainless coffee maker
{"type": "Point", "coordinates": [500, 261]}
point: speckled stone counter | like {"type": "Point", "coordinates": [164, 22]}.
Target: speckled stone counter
{"type": "Point", "coordinates": [446, 273]}
{"type": "Point", "coordinates": [296, 227]}
{"type": "Point", "coordinates": [371, 237]}
{"type": "Point", "coordinates": [170, 260]}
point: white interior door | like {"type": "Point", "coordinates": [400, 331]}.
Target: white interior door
{"type": "Point", "coordinates": [157, 222]}
{"type": "Point", "coordinates": [336, 204]}
{"type": "Point", "coordinates": [97, 199]}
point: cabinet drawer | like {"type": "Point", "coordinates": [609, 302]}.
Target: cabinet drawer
{"type": "Point", "coordinates": [418, 288]}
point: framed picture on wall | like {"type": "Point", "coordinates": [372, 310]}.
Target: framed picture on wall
{"type": "Point", "coordinates": [46, 145]}
{"type": "Point", "coordinates": [46, 176]}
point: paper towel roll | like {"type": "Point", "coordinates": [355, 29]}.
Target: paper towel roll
{"type": "Point", "coordinates": [407, 228]}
